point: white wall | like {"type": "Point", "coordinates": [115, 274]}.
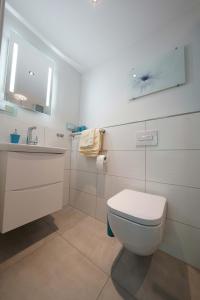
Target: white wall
{"type": "Point", "coordinates": [66, 85]}
{"type": "Point", "coordinates": [104, 99]}
{"type": "Point", "coordinates": [171, 168]}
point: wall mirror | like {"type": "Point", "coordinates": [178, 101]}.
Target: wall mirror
{"type": "Point", "coordinates": [26, 72]}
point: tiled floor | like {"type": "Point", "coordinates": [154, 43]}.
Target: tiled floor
{"type": "Point", "coordinates": [68, 256]}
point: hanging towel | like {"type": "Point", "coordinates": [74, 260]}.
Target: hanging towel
{"type": "Point", "coordinates": [87, 138]}
{"type": "Point", "coordinates": [89, 148]}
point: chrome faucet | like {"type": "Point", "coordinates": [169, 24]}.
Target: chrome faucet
{"type": "Point", "coordinates": [29, 139]}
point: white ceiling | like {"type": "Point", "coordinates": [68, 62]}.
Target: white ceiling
{"type": "Point", "coordinates": [92, 34]}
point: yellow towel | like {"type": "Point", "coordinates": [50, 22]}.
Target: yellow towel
{"type": "Point", "coordinates": [92, 150]}
{"type": "Point", "coordinates": [87, 138]}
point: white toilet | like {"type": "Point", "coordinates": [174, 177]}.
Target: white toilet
{"type": "Point", "coordinates": [137, 220]}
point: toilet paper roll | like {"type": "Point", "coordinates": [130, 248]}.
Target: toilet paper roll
{"type": "Point", "coordinates": [101, 159]}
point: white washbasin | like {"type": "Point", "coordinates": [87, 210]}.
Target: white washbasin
{"type": "Point", "coordinates": [30, 148]}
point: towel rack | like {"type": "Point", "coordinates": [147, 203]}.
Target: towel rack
{"type": "Point", "coordinates": [102, 131]}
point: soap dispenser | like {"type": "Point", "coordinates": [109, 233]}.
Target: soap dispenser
{"type": "Point", "coordinates": [14, 137]}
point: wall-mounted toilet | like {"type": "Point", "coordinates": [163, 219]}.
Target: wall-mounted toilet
{"type": "Point", "coordinates": [137, 219]}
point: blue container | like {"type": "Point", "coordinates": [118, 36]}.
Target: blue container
{"type": "Point", "coordinates": [14, 138]}
{"type": "Point", "coordinates": [82, 128]}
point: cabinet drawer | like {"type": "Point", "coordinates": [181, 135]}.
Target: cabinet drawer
{"type": "Point", "coordinates": [26, 170]}
{"type": "Point", "coordinates": [21, 207]}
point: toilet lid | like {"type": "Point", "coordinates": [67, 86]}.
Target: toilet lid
{"type": "Point", "coordinates": [141, 208]}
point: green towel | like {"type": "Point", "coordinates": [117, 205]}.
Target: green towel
{"type": "Point", "coordinates": [109, 230]}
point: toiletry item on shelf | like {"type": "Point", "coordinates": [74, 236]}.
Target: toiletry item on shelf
{"type": "Point", "coordinates": [79, 129]}
{"type": "Point", "coordinates": [82, 127]}
{"type": "Point", "coordinates": [14, 137]}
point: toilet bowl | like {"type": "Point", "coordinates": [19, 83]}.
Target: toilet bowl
{"type": "Point", "coordinates": [137, 219]}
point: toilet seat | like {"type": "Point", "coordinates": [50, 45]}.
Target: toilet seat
{"type": "Point", "coordinates": [141, 208]}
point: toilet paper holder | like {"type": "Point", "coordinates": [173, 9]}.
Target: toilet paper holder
{"type": "Point", "coordinates": [101, 161]}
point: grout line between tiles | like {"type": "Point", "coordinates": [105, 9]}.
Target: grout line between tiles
{"type": "Point", "coordinates": [145, 163]}
{"type": "Point", "coordinates": [67, 241]}
{"type": "Point", "coordinates": [108, 174]}
{"type": "Point", "coordinates": [174, 149]}
{"type": "Point", "coordinates": [86, 171]}
{"type": "Point", "coordinates": [83, 254]}
{"type": "Point", "coordinates": [96, 196]}
{"type": "Point", "coordinates": [70, 171]}
{"type": "Point", "coordinates": [151, 149]}
{"type": "Point", "coordinates": [88, 214]}
{"type": "Point", "coordinates": [185, 224]}
{"type": "Point", "coordinates": [152, 119]}
{"type": "Point", "coordinates": [99, 294]}
{"type": "Point", "coordinates": [110, 277]}
{"type": "Point", "coordinates": [73, 188]}
{"type": "Point", "coordinates": [168, 219]}
{"type": "Point", "coordinates": [173, 184]}
{"type": "Point", "coordinates": [97, 173]}
{"type": "Point", "coordinates": [141, 149]}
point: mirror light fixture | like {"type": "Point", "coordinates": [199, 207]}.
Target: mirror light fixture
{"type": "Point", "coordinates": [49, 81]}
{"type": "Point", "coordinates": [13, 67]}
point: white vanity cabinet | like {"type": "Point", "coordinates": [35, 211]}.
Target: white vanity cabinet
{"type": "Point", "coordinates": [31, 186]}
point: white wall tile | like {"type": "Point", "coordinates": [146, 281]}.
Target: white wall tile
{"type": "Point", "coordinates": [81, 162]}
{"type": "Point", "coordinates": [73, 160]}
{"type": "Point", "coordinates": [183, 202]}
{"type": "Point", "coordinates": [83, 201]}
{"type": "Point", "coordinates": [181, 167]}
{"type": "Point", "coordinates": [179, 132]}
{"type": "Point", "coordinates": [83, 181]}
{"type": "Point", "coordinates": [121, 183]}
{"type": "Point", "coordinates": [108, 186]}
{"type": "Point", "coordinates": [66, 187]}
{"type": "Point", "coordinates": [101, 210]}
{"type": "Point", "coordinates": [122, 137]}
{"type": "Point", "coordinates": [183, 242]}
{"type": "Point", "coordinates": [52, 139]}
{"type": "Point", "coordinates": [68, 160]}
{"type": "Point", "coordinates": [104, 186]}
{"type": "Point", "coordinates": [126, 164]}
{"type": "Point", "coordinates": [75, 143]}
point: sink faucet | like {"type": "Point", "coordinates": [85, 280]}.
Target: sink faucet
{"type": "Point", "coordinates": [29, 139]}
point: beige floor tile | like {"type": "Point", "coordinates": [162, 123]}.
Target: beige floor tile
{"type": "Point", "coordinates": [65, 219]}
{"type": "Point", "coordinates": [112, 291]}
{"type": "Point", "coordinates": [90, 237]}
{"type": "Point", "coordinates": [194, 279]}
{"type": "Point", "coordinates": [54, 271]}
{"type": "Point", "coordinates": [37, 264]}
{"type": "Point", "coordinates": [160, 277]}
{"type": "Point", "coordinates": [16, 244]}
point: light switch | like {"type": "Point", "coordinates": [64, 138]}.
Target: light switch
{"type": "Point", "coordinates": [147, 138]}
